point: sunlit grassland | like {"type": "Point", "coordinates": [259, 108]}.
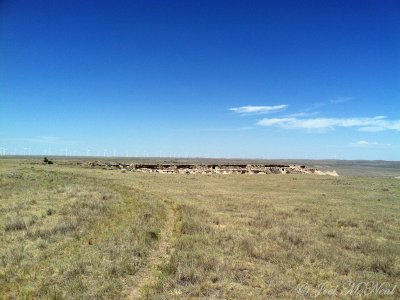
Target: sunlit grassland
{"type": "Point", "coordinates": [68, 236]}
{"type": "Point", "coordinates": [256, 237]}
{"type": "Point", "coordinates": [71, 232]}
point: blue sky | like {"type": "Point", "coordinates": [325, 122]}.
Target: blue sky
{"type": "Point", "coordinates": [268, 79]}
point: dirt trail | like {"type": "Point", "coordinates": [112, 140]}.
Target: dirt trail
{"type": "Point", "coordinates": [148, 273]}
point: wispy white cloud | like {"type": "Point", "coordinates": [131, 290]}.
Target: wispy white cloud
{"type": "Point", "coordinates": [334, 101]}
{"type": "Point", "coordinates": [302, 114]}
{"type": "Point", "coordinates": [340, 100]}
{"type": "Point", "coordinates": [366, 144]}
{"type": "Point", "coordinates": [378, 123]}
{"type": "Point", "coordinates": [250, 109]}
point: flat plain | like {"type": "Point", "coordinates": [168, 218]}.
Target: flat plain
{"type": "Point", "coordinates": [70, 232]}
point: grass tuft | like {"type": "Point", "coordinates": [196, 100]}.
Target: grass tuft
{"type": "Point", "coordinates": [15, 223]}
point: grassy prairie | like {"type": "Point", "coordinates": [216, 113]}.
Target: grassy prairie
{"type": "Point", "coordinates": [70, 236]}
{"type": "Point", "coordinates": [68, 232]}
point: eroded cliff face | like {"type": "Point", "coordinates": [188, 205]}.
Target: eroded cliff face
{"type": "Point", "coordinates": [211, 168]}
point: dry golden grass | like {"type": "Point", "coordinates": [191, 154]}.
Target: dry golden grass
{"type": "Point", "coordinates": [69, 236]}
{"type": "Point", "coordinates": [69, 232]}
{"type": "Point", "coordinates": [257, 237]}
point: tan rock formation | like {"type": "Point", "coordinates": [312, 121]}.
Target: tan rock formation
{"type": "Point", "coordinates": [211, 168]}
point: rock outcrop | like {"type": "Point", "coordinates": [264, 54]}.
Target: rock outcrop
{"type": "Point", "coordinates": [210, 168]}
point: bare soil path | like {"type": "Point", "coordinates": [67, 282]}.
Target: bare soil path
{"type": "Point", "coordinates": [147, 275]}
